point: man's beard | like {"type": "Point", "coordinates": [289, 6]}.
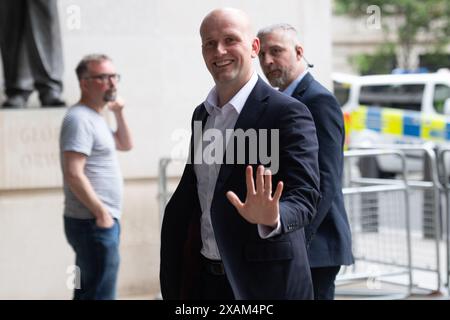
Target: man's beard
{"type": "Point", "coordinates": [110, 95]}
{"type": "Point", "coordinates": [280, 81]}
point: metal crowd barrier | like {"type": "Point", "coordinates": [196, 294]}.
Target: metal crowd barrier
{"type": "Point", "coordinates": [381, 246]}
{"type": "Point", "coordinates": [163, 193]}
{"type": "Point", "coordinates": [424, 214]}
{"type": "Point", "coordinates": [442, 157]}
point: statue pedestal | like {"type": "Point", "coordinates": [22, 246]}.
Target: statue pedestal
{"type": "Point", "coordinates": [29, 148]}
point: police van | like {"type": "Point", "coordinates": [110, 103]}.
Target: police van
{"type": "Point", "coordinates": [395, 109]}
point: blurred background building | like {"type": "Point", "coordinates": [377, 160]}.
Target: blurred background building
{"type": "Point", "coordinates": [378, 36]}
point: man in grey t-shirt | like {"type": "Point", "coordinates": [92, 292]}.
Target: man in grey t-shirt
{"type": "Point", "coordinates": [92, 177]}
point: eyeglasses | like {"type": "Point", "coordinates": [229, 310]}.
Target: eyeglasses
{"type": "Point", "coordinates": [105, 78]}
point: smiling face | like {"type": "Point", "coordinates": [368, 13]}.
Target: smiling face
{"type": "Point", "coordinates": [228, 47]}
{"type": "Point", "coordinates": [280, 58]}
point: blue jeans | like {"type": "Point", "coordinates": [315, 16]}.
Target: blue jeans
{"type": "Point", "coordinates": [97, 256]}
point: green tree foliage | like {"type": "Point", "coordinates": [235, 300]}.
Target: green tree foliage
{"type": "Point", "coordinates": [381, 62]}
{"type": "Point", "coordinates": [411, 18]}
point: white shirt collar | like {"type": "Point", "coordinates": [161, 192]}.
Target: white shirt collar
{"type": "Point", "coordinates": [237, 101]}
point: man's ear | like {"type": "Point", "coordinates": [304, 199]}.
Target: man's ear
{"type": "Point", "coordinates": [299, 52]}
{"type": "Point", "coordinates": [255, 47]}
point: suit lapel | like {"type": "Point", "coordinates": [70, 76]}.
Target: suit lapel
{"type": "Point", "coordinates": [202, 115]}
{"type": "Point", "coordinates": [254, 107]}
{"type": "Point", "coordinates": [302, 86]}
{"type": "Point", "coordinates": [248, 118]}
{"type": "Point", "coordinates": [196, 140]}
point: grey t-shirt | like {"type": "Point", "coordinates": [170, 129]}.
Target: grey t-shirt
{"type": "Point", "coordinates": [86, 131]}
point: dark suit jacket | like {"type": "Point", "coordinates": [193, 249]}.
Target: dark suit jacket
{"type": "Point", "coordinates": [328, 235]}
{"type": "Point", "coordinates": [275, 268]}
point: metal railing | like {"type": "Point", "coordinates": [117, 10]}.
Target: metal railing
{"type": "Point", "coordinates": [443, 151]}
{"type": "Point", "coordinates": [376, 243]}
{"type": "Point", "coordinates": [426, 244]}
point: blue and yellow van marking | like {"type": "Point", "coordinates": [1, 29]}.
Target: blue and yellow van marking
{"type": "Point", "coordinates": [398, 123]}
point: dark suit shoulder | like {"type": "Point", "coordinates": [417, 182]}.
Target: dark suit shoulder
{"type": "Point", "coordinates": [317, 88]}
{"type": "Point", "coordinates": [321, 102]}
{"type": "Point", "coordinates": [278, 97]}
{"type": "Point", "coordinates": [198, 109]}
{"type": "Point", "coordinates": [282, 103]}
{"type": "Point", "coordinates": [317, 92]}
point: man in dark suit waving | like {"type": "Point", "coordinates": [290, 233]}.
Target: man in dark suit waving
{"type": "Point", "coordinates": [225, 234]}
{"type": "Point", "coordinates": [328, 235]}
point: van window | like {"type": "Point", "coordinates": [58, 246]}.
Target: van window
{"type": "Point", "coordinates": [341, 91]}
{"type": "Point", "coordinates": [403, 96]}
{"type": "Point", "coordinates": [441, 93]}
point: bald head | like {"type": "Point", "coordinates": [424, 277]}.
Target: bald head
{"type": "Point", "coordinates": [228, 47]}
{"type": "Point", "coordinates": [227, 16]}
